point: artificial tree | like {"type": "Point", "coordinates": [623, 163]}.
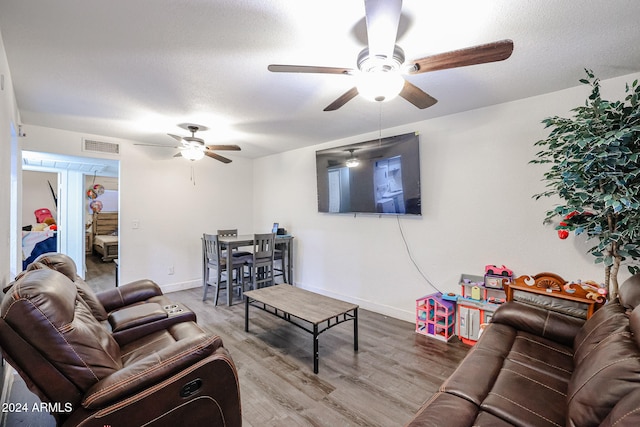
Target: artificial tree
{"type": "Point", "coordinates": [594, 159]}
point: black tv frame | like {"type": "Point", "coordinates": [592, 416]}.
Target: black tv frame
{"type": "Point", "coordinates": [357, 190]}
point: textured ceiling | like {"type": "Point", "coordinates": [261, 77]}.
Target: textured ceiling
{"type": "Point", "coordinates": [138, 69]}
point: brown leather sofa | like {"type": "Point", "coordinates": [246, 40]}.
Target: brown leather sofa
{"type": "Point", "coordinates": [537, 367]}
{"type": "Point", "coordinates": [130, 311]}
{"type": "Point", "coordinates": [175, 375]}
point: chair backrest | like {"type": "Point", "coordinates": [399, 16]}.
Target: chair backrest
{"type": "Point", "coordinates": [211, 248]}
{"type": "Point", "coordinates": [228, 233]}
{"type": "Point", "coordinates": [50, 336]}
{"type": "Point", "coordinates": [263, 246]}
{"type": "Point", "coordinates": [64, 264]}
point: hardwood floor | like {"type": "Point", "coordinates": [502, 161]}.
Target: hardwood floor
{"type": "Point", "coordinates": [100, 275]}
{"type": "Point", "coordinates": [383, 384]}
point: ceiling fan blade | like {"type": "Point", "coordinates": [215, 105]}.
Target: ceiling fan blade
{"type": "Point", "coordinates": [383, 17]}
{"type": "Point", "coordinates": [176, 137]}
{"type": "Point", "coordinates": [179, 154]}
{"type": "Point", "coordinates": [224, 147]}
{"type": "Point", "coordinates": [275, 68]}
{"type": "Point", "coordinates": [343, 99]}
{"type": "Point", "coordinates": [217, 157]}
{"type": "Point", "coordinates": [481, 54]}
{"type": "Point", "coordinates": [417, 96]}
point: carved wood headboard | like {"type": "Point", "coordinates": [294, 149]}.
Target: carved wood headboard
{"type": "Point", "coordinates": [105, 223]}
{"type": "Point", "coordinates": [552, 285]}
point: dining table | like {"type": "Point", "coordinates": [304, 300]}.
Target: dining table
{"type": "Point", "coordinates": [229, 243]}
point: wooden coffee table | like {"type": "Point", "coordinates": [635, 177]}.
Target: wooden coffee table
{"type": "Point", "coordinates": [309, 311]}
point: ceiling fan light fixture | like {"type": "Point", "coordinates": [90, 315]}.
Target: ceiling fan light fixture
{"type": "Point", "coordinates": [352, 163]}
{"type": "Point", "coordinates": [380, 85]}
{"type": "Point", "coordinates": [193, 153]}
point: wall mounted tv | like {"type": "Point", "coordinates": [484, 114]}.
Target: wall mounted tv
{"type": "Point", "coordinates": [378, 177]}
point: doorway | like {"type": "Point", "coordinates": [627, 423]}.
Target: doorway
{"type": "Point", "coordinates": [101, 221]}
{"type": "Point", "coordinates": [72, 203]}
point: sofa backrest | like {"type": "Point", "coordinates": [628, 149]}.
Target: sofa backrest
{"type": "Point", "coordinates": [606, 360]}
{"type": "Point", "coordinates": [629, 292]}
{"type": "Point", "coordinates": [65, 265]}
{"type": "Point", "coordinates": [44, 311]}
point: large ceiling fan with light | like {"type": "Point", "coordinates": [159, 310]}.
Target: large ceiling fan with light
{"type": "Point", "coordinates": [194, 148]}
{"type": "Point", "coordinates": [382, 63]}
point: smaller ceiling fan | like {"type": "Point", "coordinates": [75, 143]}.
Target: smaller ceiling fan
{"type": "Point", "coordinates": [194, 148]}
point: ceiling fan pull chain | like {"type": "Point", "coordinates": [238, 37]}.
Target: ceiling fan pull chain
{"type": "Point", "coordinates": [193, 176]}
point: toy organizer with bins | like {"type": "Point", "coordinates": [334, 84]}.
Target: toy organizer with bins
{"type": "Point", "coordinates": [435, 317]}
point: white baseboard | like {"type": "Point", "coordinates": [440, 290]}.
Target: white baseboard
{"type": "Point", "coordinates": [409, 316]}
{"type": "Point", "coordinates": [175, 287]}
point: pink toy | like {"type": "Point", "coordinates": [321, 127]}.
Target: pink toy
{"type": "Point", "coordinates": [497, 271]}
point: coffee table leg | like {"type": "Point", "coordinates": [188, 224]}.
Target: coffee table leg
{"type": "Point", "coordinates": [355, 329]}
{"type": "Point", "coordinates": [246, 314]}
{"type": "Point", "coordinates": [315, 349]}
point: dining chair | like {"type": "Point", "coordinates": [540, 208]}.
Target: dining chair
{"type": "Point", "coordinates": [261, 263]}
{"type": "Point", "coordinates": [214, 260]}
{"type": "Point", "coordinates": [233, 232]}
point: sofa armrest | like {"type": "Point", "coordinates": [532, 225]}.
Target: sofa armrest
{"type": "Point", "coordinates": [136, 315]}
{"type": "Point", "coordinates": [130, 293]}
{"type": "Point", "coordinates": [150, 370]}
{"type": "Point", "coordinates": [538, 321]}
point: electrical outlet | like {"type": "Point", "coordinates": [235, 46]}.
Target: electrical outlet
{"type": "Point", "coordinates": [170, 270]}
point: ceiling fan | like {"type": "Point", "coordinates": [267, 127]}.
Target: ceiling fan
{"type": "Point", "coordinates": [382, 63]}
{"type": "Point", "coordinates": [194, 148]}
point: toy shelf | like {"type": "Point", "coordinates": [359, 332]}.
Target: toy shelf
{"type": "Point", "coordinates": [476, 306]}
{"type": "Point", "coordinates": [435, 317]}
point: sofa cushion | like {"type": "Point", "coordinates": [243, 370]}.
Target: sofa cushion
{"type": "Point", "coordinates": [610, 319]}
{"type": "Point", "coordinates": [544, 323]}
{"type": "Point", "coordinates": [626, 412]}
{"type": "Point", "coordinates": [64, 264]}
{"type": "Point", "coordinates": [89, 297]}
{"type": "Point", "coordinates": [159, 362]}
{"type": "Point", "coordinates": [543, 355]}
{"type": "Point", "coordinates": [482, 364]}
{"type": "Point", "coordinates": [445, 409]}
{"type": "Point", "coordinates": [608, 373]}
{"type": "Point", "coordinates": [59, 262]}
{"type": "Point", "coordinates": [525, 396]}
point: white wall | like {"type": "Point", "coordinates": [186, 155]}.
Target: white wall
{"type": "Point", "coordinates": [477, 210]}
{"type": "Point", "coordinates": [172, 212]}
{"type": "Point", "coordinates": [36, 194]}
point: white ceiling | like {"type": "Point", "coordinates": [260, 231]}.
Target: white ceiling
{"type": "Point", "coordinates": [137, 69]}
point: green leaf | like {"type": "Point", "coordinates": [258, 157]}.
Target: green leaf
{"type": "Point", "coordinates": [592, 161]}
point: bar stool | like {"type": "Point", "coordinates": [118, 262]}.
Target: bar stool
{"type": "Point", "coordinates": [213, 259]}
{"type": "Point", "coordinates": [233, 233]}
{"type": "Point", "coordinates": [260, 264]}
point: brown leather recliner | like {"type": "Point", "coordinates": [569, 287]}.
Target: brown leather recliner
{"type": "Point", "coordinates": [180, 375]}
{"type": "Point", "coordinates": [131, 310]}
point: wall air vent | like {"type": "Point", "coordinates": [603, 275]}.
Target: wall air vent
{"type": "Point", "coordinates": [100, 146]}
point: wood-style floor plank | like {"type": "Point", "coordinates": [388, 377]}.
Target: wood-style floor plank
{"type": "Point", "coordinates": [383, 384]}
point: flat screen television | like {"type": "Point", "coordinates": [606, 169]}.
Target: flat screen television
{"type": "Point", "coordinates": [378, 177]}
